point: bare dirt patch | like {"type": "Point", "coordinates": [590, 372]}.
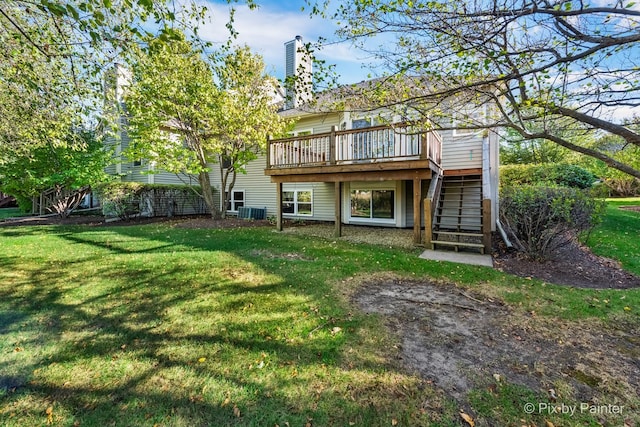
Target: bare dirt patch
{"type": "Point", "coordinates": [461, 342]}
{"type": "Point", "coordinates": [631, 208]}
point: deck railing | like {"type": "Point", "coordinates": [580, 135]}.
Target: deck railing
{"type": "Point", "coordinates": [373, 144]}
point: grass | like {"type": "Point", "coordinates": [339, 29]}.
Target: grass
{"type": "Point", "coordinates": [619, 234]}
{"type": "Point", "coordinates": [157, 325]}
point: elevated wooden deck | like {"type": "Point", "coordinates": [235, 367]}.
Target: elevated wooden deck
{"type": "Point", "coordinates": [393, 152]}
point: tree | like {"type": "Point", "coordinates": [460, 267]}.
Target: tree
{"type": "Point", "coordinates": [54, 166]}
{"type": "Point", "coordinates": [183, 119]}
{"type": "Point", "coordinates": [247, 114]}
{"type": "Point", "coordinates": [537, 61]}
{"type": "Point", "coordinates": [52, 57]}
{"type": "Point", "coordinates": [173, 105]}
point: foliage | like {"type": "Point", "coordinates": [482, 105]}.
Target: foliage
{"type": "Point", "coordinates": [70, 165]}
{"type": "Point", "coordinates": [247, 114]}
{"type": "Point", "coordinates": [516, 150]}
{"type": "Point", "coordinates": [553, 70]}
{"type": "Point", "coordinates": [618, 183]}
{"type": "Point", "coordinates": [121, 199]}
{"type": "Point", "coordinates": [172, 104]}
{"type": "Point", "coordinates": [126, 200]}
{"type": "Point", "coordinates": [562, 175]}
{"type": "Point", "coordinates": [53, 56]}
{"type": "Point", "coordinates": [540, 220]}
{"type": "Point", "coordinates": [187, 113]}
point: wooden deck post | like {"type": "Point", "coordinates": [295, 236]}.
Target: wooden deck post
{"type": "Point", "coordinates": [417, 197]}
{"type": "Point", "coordinates": [428, 226]}
{"type": "Point", "coordinates": [332, 146]}
{"type": "Point", "coordinates": [279, 206]}
{"type": "Point", "coordinates": [486, 225]}
{"type": "Point", "coordinates": [338, 207]}
{"type": "Point", "coordinates": [268, 152]}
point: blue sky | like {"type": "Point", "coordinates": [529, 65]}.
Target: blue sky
{"type": "Point", "coordinates": [274, 23]}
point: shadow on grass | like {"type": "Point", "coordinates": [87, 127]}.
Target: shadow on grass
{"type": "Point", "coordinates": [179, 340]}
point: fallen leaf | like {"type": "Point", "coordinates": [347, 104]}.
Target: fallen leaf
{"type": "Point", "coordinates": [202, 359]}
{"type": "Point", "coordinates": [226, 402]}
{"type": "Point", "coordinates": [549, 424]}
{"type": "Point", "coordinates": [468, 419]}
{"type": "Point", "coordinates": [335, 330]}
{"type": "Point", "coordinates": [49, 412]}
{"type": "Point", "coordinates": [236, 411]}
{"type": "Point", "coordinates": [497, 377]}
{"type": "Point", "coordinates": [627, 308]}
{"type": "Point", "coordinates": [394, 422]}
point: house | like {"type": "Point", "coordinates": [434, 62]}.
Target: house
{"type": "Point", "coordinates": [364, 167]}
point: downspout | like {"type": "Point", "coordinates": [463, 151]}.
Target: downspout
{"type": "Point", "coordinates": [503, 234]}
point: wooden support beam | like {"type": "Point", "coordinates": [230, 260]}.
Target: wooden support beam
{"type": "Point", "coordinates": [428, 222]}
{"type": "Point", "coordinates": [279, 206]}
{"type": "Point", "coordinates": [417, 197]}
{"type": "Point", "coordinates": [338, 207]}
{"type": "Point", "coordinates": [486, 225]}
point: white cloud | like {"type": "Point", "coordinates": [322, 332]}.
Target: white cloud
{"type": "Point", "coordinates": [267, 29]}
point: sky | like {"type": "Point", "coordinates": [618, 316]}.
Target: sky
{"type": "Point", "coordinates": [266, 29]}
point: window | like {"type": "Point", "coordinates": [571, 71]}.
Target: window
{"type": "Point", "coordinates": [236, 201]}
{"type": "Point", "coordinates": [373, 204]}
{"type": "Point", "coordinates": [297, 202]}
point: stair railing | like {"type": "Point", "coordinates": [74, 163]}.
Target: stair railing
{"type": "Point", "coordinates": [430, 204]}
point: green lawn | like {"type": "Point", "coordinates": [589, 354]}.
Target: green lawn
{"type": "Point", "coordinates": [619, 234]}
{"type": "Point", "coordinates": [158, 325]}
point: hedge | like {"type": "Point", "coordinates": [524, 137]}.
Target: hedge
{"type": "Point", "coordinates": [547, 174]}
{"type": "Point", "coordinates": [129, 199]}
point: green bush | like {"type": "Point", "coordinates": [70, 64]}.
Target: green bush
{"type": "Point", "coordinates": [548, 175]}
{"type": "Point", "coordinates": [539, 220]}
{"type": "Point", "coordinates": [129, 199]}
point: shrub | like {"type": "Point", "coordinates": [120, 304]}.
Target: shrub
{"type": "Point", "coordinates": [622, 187]}
{"type": "Point", "coordinates": [548, 175]}
{"type": "Point", "coordinates": [129, 199]}
{"type": "Point", "coordinates": [539, 220]}
{"type": "Point", "coordinates": [120, 199]}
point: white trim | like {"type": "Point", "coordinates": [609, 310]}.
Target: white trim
{"type": "Point", "coordinates": [398, 197]}
{"type": "Point", "coordinates": [296, 202]}
{"type": "Point", "coordinates": [232, 201]}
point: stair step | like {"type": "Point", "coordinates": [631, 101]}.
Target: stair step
{"type": "Point", "coordinates": [458, 233]}
{"type": "Point", "coordinates": [442, 215]}
{"type": "Point", "coordinates": [457, 245]}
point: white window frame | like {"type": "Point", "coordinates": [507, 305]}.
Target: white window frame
{"type": "Point", "coordinates": [301, 132]}
{"type": "Point", "coordinates": [296, 202]}
{"type": "Point", "coordinates": [477, 113]}
{"type": "Point", "coordinates": [232, 201]}
{"type": "Point", "coordinates": [370, 219]}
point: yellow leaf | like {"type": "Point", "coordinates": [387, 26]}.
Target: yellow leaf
{"type": "Point", "coordinates": [549, 424]}
{"type": "Point", "coordinates": [468, 419]}
{"type": "Point", "coordinates": [627, 308]}
{"type": "Point", "coordinates": [49, 412]}
{"type": "Point", "coordinates": [202, 359]}
{"type": "Point", "coordinates": [226, 402]}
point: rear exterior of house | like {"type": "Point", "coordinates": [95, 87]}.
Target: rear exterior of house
{"type": "Point", "coordinates": [348, 168]}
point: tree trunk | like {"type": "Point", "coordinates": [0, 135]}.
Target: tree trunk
{"type": "Point", "coordinates": [207, 194]}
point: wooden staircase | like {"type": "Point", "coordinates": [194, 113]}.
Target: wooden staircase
{"type": "Point", "coordinates": [458, 216]}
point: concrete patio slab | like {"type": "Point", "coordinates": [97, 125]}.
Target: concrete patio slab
{"type": "Point", "coordinates": [459, 257]}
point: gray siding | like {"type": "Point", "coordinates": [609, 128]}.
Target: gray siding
{"type": "Point", "coordinates": [461, 151]}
